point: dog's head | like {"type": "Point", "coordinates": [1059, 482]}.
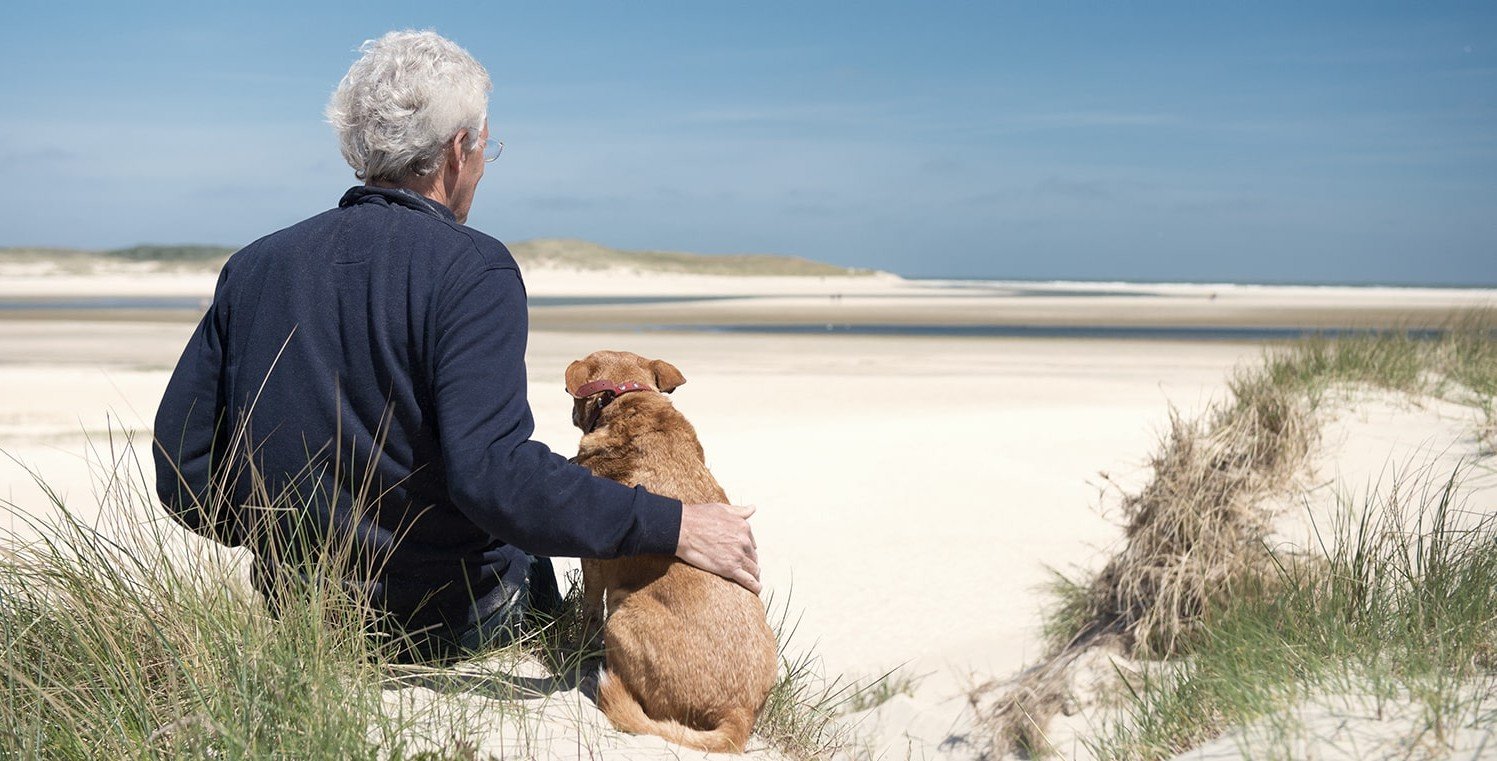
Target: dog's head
{"type": "Point", "coordinates": [620, 368]}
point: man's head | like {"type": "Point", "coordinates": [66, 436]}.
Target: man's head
{"type": "Point", "coordinates": [414, 106]}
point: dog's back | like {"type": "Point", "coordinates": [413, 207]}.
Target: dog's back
{"type": "Point", "coordinates": [690, 656]}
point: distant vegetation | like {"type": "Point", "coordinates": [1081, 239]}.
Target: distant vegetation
{"type": "Point", "coordinates": [75, 261]}
{"type": "Point", "coordinates": [541, 253]}
{"type": "Point", "coordinates": [582, 255]}
{"type": "Point", "coordinates": [214, 254]}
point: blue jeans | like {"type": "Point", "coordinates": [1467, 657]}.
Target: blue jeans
{"type": "Point", "coordinates": [510, 609]}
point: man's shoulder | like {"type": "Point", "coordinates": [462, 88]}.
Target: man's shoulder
{"type": "Point", "coordinates": [483, 250]}
{"type": "Point", "coordinates": [438, 242]}
{"type": "Point", "coordinates": [445, 243]}
{"type": "Point", "coordinates": [285, 240]}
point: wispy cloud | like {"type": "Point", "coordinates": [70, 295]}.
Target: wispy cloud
{"type": "Point", "coordinates": [1086, 190]}
{"type": "Point", "coordinates": [1065, 119]}
{"type": "Point", "coordinates": [569, 203]}
{"type": "Point", "coordinates": [788, 115]}
{"type": "Point", "coordinates": [49, 154]}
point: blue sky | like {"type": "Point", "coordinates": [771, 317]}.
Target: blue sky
{"type": "Point", "coordinates": [1299, 142]}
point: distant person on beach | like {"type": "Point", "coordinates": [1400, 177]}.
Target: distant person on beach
{"type": "Point", "coordinates": [360, 377]}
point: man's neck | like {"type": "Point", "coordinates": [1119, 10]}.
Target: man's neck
{"type": "Point", "coordinates": [430, 186]}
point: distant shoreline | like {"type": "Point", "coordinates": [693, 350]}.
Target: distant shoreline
{"type": "Point", "coordinates": [563, 299]}
{"type": "Point", "coordinates": [1201, 283]}
{"type": "Point", "coordinates": [987, 310]}
{"type": "Point", "coordinates": [592, 258]}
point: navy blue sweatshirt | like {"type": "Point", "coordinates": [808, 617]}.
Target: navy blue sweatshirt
{"type": "Point", "coordinates": [366, 369]}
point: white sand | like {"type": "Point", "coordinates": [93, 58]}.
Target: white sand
{"type": "Point", "coordinates": [1377, 445]}
{"type": "Point", "coordinates": [911, 491]}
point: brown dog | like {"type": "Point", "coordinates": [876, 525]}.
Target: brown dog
{"type": "Point", "coordinates": [689, 654]}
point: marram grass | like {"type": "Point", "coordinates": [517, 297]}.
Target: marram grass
{"type": "Point", "coordinates": [1401, 608]}
{"type": "Point", "coordinates": [112, 648]}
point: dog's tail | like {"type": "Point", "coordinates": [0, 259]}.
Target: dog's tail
{"type": "Point", "coordinates": [621, 707]}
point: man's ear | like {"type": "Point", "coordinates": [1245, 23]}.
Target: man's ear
{"type": "Point", "coordinates": [576, 376]}
{"type": "Point", "coordinates": [456, 156]}
{"type": "Point", "coordinates": [667, 377]}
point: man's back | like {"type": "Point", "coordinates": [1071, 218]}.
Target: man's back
{"type": "Point", "coordinates": [370, 374]}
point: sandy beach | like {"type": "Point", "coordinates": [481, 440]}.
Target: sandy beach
{"type": "Point", "coordinates": [912, 491]}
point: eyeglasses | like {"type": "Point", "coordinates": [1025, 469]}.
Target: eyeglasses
{"type": "Point", "coordinates": [491, 150]}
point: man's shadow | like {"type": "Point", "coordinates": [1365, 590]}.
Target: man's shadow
{"type": "Point", "coordinates": [493, 676]}
{"type": "Point", "coordinates": [558, 639]}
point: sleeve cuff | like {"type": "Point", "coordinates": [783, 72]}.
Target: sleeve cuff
{"type": "Point", "coordinates": [657, 524]}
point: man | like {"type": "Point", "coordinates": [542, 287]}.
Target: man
{"type": "Point", "coordinates": [359, 382]}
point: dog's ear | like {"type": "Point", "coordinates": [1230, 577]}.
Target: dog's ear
{"type": "Point", "coordinates": [576, 376]}
{"type": "Point", "coordinates": [667, 377]}
{"type": "Point", "coordinates": [585, 413]}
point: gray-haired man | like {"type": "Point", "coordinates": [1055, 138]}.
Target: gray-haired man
{"type": "Point", "coordinates": [365, 367]}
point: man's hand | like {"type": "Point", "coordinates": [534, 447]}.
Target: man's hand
{"type": "Point", "coordinates": [717, 538]}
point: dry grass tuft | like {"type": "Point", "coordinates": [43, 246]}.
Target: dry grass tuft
{"type": "Point", "coordinates": [1194, 534]}
{"type": "Point", "coordinates": [1017, 713]}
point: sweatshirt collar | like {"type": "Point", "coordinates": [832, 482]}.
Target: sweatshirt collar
{"type": "Point", "coordinates": [397, 197]}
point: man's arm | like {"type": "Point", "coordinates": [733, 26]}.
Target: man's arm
{"type": "Point", "coordinates": [520, 491]}
{"type": "Point", "coordinates": [189, 435]}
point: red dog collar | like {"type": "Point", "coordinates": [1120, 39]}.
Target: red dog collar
{"type": "Point", "coordinates": [588, 389]}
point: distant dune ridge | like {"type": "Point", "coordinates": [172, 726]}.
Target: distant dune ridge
{"type": "Point", "coordinates": [38, 260]}
{"type": "Point", "coordinates": [570, 253]}
{"type": "Point", "coordinates": [542, 253]}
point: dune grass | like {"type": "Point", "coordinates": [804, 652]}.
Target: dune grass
{"type": "Point", "coordinates": [1195, 588]}
{"type": "Point", "coordinates": [1400, 608]}
{"type": "Point", "coordinates": [121, 641]}
{"type": "Point", "coordinates": [132, 639]}
{"type": "Point", "coordinates": [800, 715]}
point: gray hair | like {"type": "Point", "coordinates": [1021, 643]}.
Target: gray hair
{"type": "Point", "coordinates": [401, 103]}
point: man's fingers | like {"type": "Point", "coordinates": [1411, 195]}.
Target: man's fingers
{"type": "Point", "coordinates": [745, 512]}
{"type": "Point", "coordinates": [748, 582]}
